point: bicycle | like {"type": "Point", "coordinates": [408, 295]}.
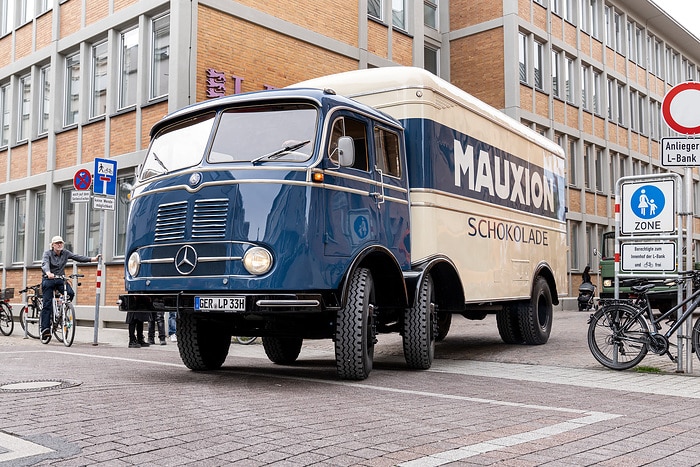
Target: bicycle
{"type": "Point", "coordinates": [30, 315]}
{"type": "Point", "coordinates": [622, 332]}
{"type": "Point", "coordinates": [63, 315]}
{"type": "Point", "coordinates": [7, 323]}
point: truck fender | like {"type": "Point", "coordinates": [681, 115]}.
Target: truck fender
{"type": "Point", "coordinates": [446, 280]}
{"type": "Point", "coordinates": [543, 269]}
{"type": "Point", "coordinates": [390, 288]}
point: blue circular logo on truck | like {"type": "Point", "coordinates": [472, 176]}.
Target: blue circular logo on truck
{"type": "Point", "coordinates": [648, 202]}
{"type": "Point", "coordinates": [361, 227]}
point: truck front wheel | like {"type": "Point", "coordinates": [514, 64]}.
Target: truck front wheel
{"type": "Point", "coordinates": [354, 334]}
{"type": "Point", "coordinates": [282, 350]}
{"type": "Point", "coordinates": [536, 315]}
{"type": "Point", "coordinates": [419, 330]}
{"type": "Point", "coordinates": [202, 344]}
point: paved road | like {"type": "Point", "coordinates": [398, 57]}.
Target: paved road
{"type": "Point", "coordinates": [482, 403]}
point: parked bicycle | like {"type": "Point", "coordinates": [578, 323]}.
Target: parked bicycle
{"type": "Point", "coordinates": [7, 323]}
{"type": "Point", "coordinates": [63, 315]}
{"type": "Point", "coordinates": [30, 315]}
{"type": "Point", "coordinates": [622, 332]}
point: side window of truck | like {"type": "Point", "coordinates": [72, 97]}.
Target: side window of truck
{"type": "Point", "coordinates": [357, 130]}
{"type": "Point", "coordinates": [387, 145]}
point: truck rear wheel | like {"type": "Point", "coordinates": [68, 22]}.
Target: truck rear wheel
{"type": "Point", "coordinates": [444, 321]}
{"type": "Point", "coordinates": [536, 315]}
{"type": "Point", "coordinates": [354, 334]}
{"type": "Point", "coordinates": [282, 350]}
{"type": "Point", "coordinates": [508, 324]}
{"type": "Point", "coordinates": [202, 344]}
{"type": "Point", "coordinates": [419, 326]}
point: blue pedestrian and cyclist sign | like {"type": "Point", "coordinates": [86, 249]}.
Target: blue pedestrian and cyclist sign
{"type": "Point", "coordinates": [648, 208]}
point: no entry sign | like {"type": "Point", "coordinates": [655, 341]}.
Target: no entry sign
{"type": "Point", "coordinates": [680, 108]}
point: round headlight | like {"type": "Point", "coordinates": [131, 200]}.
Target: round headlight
{"type": "Point", "coordinates": [257, 260]}
{"type": "Point", "coordinates": [134, 264]}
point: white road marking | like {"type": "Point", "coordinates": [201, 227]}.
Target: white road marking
{"type": "Point", "coordinates": [18, 448]}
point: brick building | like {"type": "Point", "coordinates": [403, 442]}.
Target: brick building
{"type": "Point", "coordinates": [86, 79]}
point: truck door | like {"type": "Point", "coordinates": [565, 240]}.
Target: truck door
{"type": "Point", "coordinates": [352, 214]}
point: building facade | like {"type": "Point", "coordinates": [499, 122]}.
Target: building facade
{"type": "Point", "coordinates": [86, 79]}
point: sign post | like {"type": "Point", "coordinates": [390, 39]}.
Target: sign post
{"type": "Point", "coordinates": [106, 186]}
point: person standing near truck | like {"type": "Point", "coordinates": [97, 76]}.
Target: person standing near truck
{"type": "Point", "coordinates": [53, 264]}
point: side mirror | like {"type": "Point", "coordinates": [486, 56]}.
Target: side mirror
{"type": "Point", "coordinates": [346, 151]}
{"type": "Point", "coordinates": [595, 251]}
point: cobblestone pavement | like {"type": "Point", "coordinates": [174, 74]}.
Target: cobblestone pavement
{"type": "Point", "coordinates": [482, 403]}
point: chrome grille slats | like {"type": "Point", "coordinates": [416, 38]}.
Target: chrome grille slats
{"type": "Point", "coordinates": [171, 221]}
{"type": "Point", "coordinates": [209, 218]}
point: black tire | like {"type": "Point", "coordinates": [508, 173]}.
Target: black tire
{"type": "Point", "coordinates": [282, 350]}
{"type": "Point", "coordinates": [419, 326]}
{"type": "Point", "coordinates": [444, 321]}
{"type": "Point", "coordinates": [68, 325]}
{"type": "Point", "coordinates": [535, 317]}
{"type": "Point", "coordinates": [617, 336]}
{"type": "Point", "coordinates": [508, 322]}
{"type": "Point", "coordinates": [202, 344]}
{"type": "Point", "coordinates": [696, 338]}
{"type": "Point", "coordinates": [354, 334]}
{"type": "Point", "coordinates": [7, 323]}
{"type": "Point", "coordinates": [33, 315]}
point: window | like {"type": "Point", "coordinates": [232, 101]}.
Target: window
{"type": "Point", "coordinates": [93, 233]}
{"type": "Point", "coordinates": [45, 89]}
{"type": "Point", "coordinates": [633, 110]}
{"type": "Point", "coordinates": [641, 57]}
{"type": "Point", "coordinates": [596, 93]}
{"type": "Point", "coordinates": [585, 72]}
{"type": "Point", "coordinates": [2, 230]}
{"type": "Point", "coordinates": [20, 229]}
{"type": "Point", "coordinates": [4, 115]}
{"type": "Point", "coordinates": [7, 15]}
{"type": "Point", "coordinates": [98, 84]}
{"type": "Point", "coordinates": [387, 150]}
{"type": "Point", "coordinates": [67, 218]}
{"type": "Point", "coordinates": [620, 104]}
{"type": "Point", "coordinates": [614, 170]}
{"type": "Point", "coordinates": [161, 57]}
{"type": "Point", "coordinates": [124, 191]}
{"type": "Point", "coordinates": [522, 56]}
{"type": "Point", "coordinates": [25, 107]}
{"type": "Point", "coordinates": [374, 8]}
{"type": "Point", "coordinates": [398, 14]}
{"type": "Point", "coordinates": [584, 7]}
{"type": "Point", "coordinates": [640, 113]}
{"type": "Point", "coordinates": [568, 77]}
{"type": "Point", "coordinates": [658, 59]}
{"type": "Point", "coordinates": [430, 13]}
{"type": "Point", "coordinates": [357, 131]}
{"type": "Point", "coordinates": [631, 49]}
{"type": "Point", "coordinates": [555, 74]}
{"type": "Point", "coordinates": [26, 13]}
{"type": "Point", "coordinates": [539, 64]}
{"type": "Point", "coordinates": [430, 60]}
{"type": "Point", "coordinates": [573, 163]}
{"type": "Point", "coordinates": [598, 166]}
{"type": "Point", "coordinates": [587, 159]}
{"type": "Point", "coordinates": [573, 243]}
{"type": "Point", "coordinates": [556, 6]}
{"type": "Point", "coordinates": [611, 99]}
{"type": "Point", "coordinates": [595, 23]}
{"type": "Point", "coordinates": [568, 7]}
{"type": "Point", "coordinates": [609, 29]}
{"type": "Point", "coordinates": [128, 68]}
{"type": "Point", "coordinates": [40, 238]}
{"type": "Point", "coordinates": [617, 25]}
{"type": "Point", "coordinates": [72, 104]}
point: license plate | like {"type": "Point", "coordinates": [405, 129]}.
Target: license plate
{"type": "Point", "coordinates": [213, 303]}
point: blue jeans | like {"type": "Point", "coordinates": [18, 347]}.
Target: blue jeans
{"type": "Point", "coordinates": [171, 322]}
{"type": "Point", "coordinates": [48, 286]}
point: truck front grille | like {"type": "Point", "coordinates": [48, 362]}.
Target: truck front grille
{"type": "Point", "coordinates": [207, 219]}
{"type": "Point", "coordinates": [171, 221]}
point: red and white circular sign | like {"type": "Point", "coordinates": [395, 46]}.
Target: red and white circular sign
{"type": "Point", "coordinates": [681, 108]}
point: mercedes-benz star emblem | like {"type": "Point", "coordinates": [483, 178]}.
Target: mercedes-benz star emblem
{"type": "Point", "coordinates": [186, 260]}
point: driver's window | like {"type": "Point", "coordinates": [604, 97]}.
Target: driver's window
{"type": "Point", "coordinates": [357, 130]}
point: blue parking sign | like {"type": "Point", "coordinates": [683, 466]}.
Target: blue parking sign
{"type": "Point", "coordinates": [105, 177]}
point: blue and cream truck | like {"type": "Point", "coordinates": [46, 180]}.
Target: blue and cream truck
{"type": "Point", "coordinates": [345, 207]}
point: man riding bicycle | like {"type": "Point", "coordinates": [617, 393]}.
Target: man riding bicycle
{"type": "Point", "coordinates": [53, 264]}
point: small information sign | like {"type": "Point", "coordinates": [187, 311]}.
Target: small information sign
{"type": "Point", "coordinates": [79, 196]}
{"type": "Point", "coordinates": [648, 257]}
{"type": "Point", "coordinates": [680, 152]}
{"type": "Point", "coordinates": [104, 202]}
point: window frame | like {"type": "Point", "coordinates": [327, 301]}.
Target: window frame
{"type": "Point", "coordinates": [159, 71]}
{"type": "Point", "coordinates": [24, 106]}
{"type": "Point", "coordinates": [44, 100]}
{"type": "Point", "coordinates": [128, 86]}
{"type": "Point", "coordinates": [99, 73]}
{"type": "Point", "coordinates": [71, 107]}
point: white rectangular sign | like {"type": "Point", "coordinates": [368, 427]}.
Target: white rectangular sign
{"type": "Point", "coordinates": [684, 152]}
{"type": "Point", "coordinates": [648, 257]}
{"type": "Point", "coordinates": [103, 202]}
{"type": "Point", "coordinates": [80, 196]}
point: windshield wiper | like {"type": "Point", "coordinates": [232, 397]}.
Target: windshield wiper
{"type": "Point", "coordinates": [160, 162]}
{"type": "Point", "coordinates": [291, 146]}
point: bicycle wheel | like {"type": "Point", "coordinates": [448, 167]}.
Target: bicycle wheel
{"type": "Point", "coordinates": [7, 324]}
{"type": "Point", "coordinates": [696, 338]}
{"type": "Point", "coordinates": [57, 324]}
{"type": "Point", "coordinates": [31, 314]}
{"type": "Point", "coordinates": [68, 324]}
{"type": "Point", "coordinates": [617, 336]}
{"type": "Point", "coordinates": [245, 340]}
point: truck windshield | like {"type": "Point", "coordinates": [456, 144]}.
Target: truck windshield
{"type": "Point", "coordinates": [265, 133]}
{"type": "Point", "coordinates": [178, 146]}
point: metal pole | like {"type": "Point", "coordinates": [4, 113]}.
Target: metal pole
{"type": "Point", "coordinates": [98, 285]}
{"type": "Point", "coordinates": [688, 263]}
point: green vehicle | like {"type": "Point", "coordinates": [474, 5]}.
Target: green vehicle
{"type": "Point", "coordinates": [661, 297]}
